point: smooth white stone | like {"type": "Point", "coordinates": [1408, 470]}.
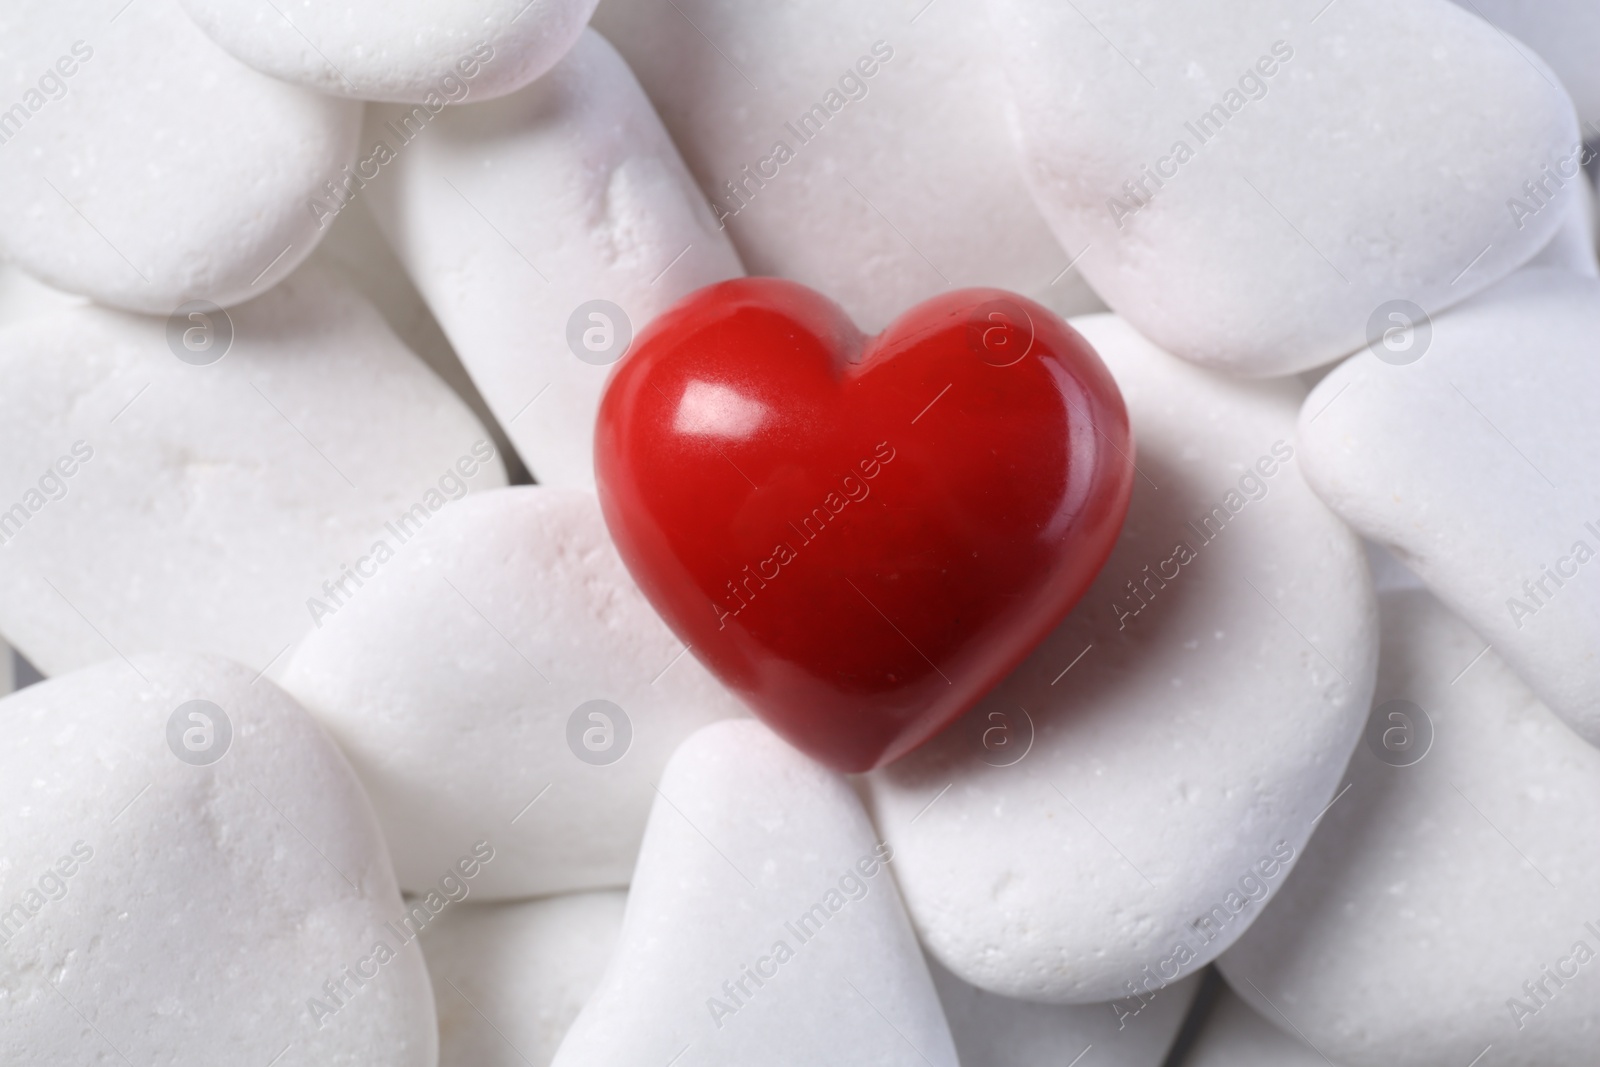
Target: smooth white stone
{"type": "Point", "coordinates": [511, 215]}
{"type": "Point", "coordinates": [911, 188]}
{"type": "Point", "coordinates": [1565, 34]}
{"type": "Point", "coordinates": [1172, 749]}
{"type": "Point", "coordinates": [1001, 1031]}
{"type": "Point", "coordinates": [161, 170]}
{"type": "Point", "coordinates": [440, 52]}
{"type": "Point", "coordinates": [1432, 892]}
{"type": "Point", "coordinates": [1355, 176]}
{"type": "Point", "coordinates": [356, 248]}
{"type": "Point", "coordinates": [510, 978]}
{"type": "Point", "coordinates": [1475, 466]}
{"type": "Point", "coordinates": [217, 500]}
{"type": "Point", "coordinates": [201, 910]}
{"type": "Point", "coordinates": [751, 845]}
{"type": "Point", "coordinates": [1235, 1036]}
{"type": "Point", "coordinates": [452, 680]}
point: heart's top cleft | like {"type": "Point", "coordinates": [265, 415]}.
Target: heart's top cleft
{"type": "Point", "coordinates": [861, 536]}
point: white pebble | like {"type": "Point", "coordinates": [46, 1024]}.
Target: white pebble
{"type": "Point", "coordinates": [1171, 743]}
{"type": "Point", "coordinates": [513, 217]}
{"type": "Point", "coordinates": [1251, 189]}
{"type": "Point", "coordinates": [460, 683]}
{"type": "Point", "coordinates": [356, 249]}
{"type": "Point", "coordinates": [762, 926]}
{"type": "Point", "coordinates": [1475, 464]}
{"type": "Point", "coordinates": [151, 504]}
{"type": "Point", "coordinates": [192, 875]}
{"type": "Point", "coordinates": [144, 167]}
{"type": "Point", "coordinates": [912, 184]}
{"type": "Point", "coordinates": [1448, 900]}
{"type": "Point", "coordinates": [510, 978]}
{"type": "Point", "coordinates": [446, 52]}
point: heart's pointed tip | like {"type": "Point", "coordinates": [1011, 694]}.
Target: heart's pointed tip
{"type": "Point", "coordinates": [861, 552]}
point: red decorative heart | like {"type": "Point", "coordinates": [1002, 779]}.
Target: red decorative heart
{"type": "Point", "coordinates": [861, 536]}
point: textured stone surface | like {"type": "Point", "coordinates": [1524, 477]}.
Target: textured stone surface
{"type": "Point", "coordinates": [183, 912]}
{"type": "Point", "coordinates": [1170, 744]}
{"type": "Point", "coordinates": [150, 504]}
{"type": "Point", "coordinates": [356, 248]}
{"type": "Point", "coordinates": [433, 53]}
{"type": "Point", "coordinates": [912, 184]}
{"type": "Point", "coordinates": [512, 215]}
{"type": "Point", "coordinates": [1265, 250]}
{"type": "Point", "coordinates": [763, 926]}
{"type": "Point", "coordinates": [1433, 891]}
{"type": "Point", "coordinates": [145, 167]}
{"type": "Point", "coordinates": [1475, 463]}
{"type": "Point", "coordinates": [456, 683]}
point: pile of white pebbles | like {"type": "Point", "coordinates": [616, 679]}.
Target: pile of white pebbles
{"type": "Point", "coordinates": [359, 746]}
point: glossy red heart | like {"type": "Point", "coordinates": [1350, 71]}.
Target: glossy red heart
{"type": "Point", "coordinates": [861, 536]}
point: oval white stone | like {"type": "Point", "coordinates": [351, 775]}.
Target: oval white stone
{"type": "Point", "coordinates": [148, 504]}
{"type": "Point", "coordinates": [1476, 464]}
{"type": "Point", "coordinates": [454, 681]}
{"type": "Point", "coordinates": [763, 925]}
{"type": "Point", "coordinates": [444, 52]}
{"type": "Point", "coordinates": [156, 910]}
{"type": "Point", "coordinates": [1330, 161]}
{"type": "Point", "coordinates": [356, 249]}
{"type": "Point", "coordinates": [162, 170]}
{"type": "Point", "coordinates": [512, 215]}
{"type": "Point", "coordinates": [1433, 892]}
{"type": "Point", "coordinates": [1171, 743]}
{"type": "Point", "coordinates": [891, 186]}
